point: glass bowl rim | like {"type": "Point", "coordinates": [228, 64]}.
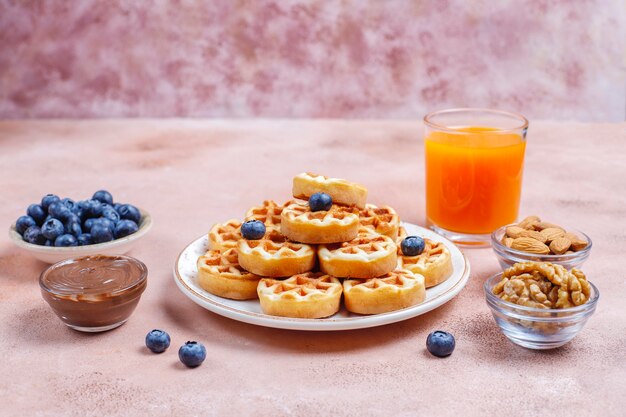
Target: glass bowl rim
{"type": "Point", "coordinates": [431, 124]}
{"type": "Point", "coordinates": [139, 281]}
{"type": "Point", "coordinates": [498, 246]}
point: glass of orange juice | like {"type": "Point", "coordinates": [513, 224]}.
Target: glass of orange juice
{"type": "Point", "coordinates": [474, 163]}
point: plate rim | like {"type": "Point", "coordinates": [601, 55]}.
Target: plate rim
{"type": "Point", "coordinates": [326, 324]}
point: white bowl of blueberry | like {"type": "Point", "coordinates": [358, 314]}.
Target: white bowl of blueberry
{"type": "Point", "coordinates": [58, 229]}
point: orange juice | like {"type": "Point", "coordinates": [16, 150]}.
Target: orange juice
{"type": "Point", "coordinates": [473, 178]}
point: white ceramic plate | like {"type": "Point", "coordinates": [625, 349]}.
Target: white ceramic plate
{"type": "Point", "coordinates": [51, 254]}
{"type": "Point", "coordinates": [185, 272]}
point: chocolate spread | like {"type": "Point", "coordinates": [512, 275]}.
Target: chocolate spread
{"type": "Point", "coordinates": [94, 291]}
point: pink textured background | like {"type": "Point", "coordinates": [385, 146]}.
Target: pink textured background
{"type": "Point", "coordinates": [89, 58]}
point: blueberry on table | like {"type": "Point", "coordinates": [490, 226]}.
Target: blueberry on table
{"type": "Point", "coordinates": [23, 223]}
{"type": "Point", "coordinates": [59, 211]}
{"type": "Point", "coordinates": [412, 245]}
{"type": "Point", "coordinates": [37, 213]}
{"type": "Point", "coordinates": [49, 199]}
{"type": "Point", "coordinates": [111, 214]}
{"type": "Point", "coordinates": [129, 212]}
{"type": "Point", "coordinates": [192, 354]}
{"type": "Point", "coordinates": [320, 202]}
{"type": "Point", "coordinates": [101, 233]}
{"type": "Point", "coordinates": [103, 196]}
{"type": "Point", "coordinates": [253, 230]}
{"type": "Point", "coordinates": [440, 343]}
{"type": "Point", "coordinates": [33, 235]}
{"type": "Point", "coordinates": [52, 229]}
{"type": "Point", "coordinates": [66, 240]}
{"type": "Point", "coordinates": [125, 228]}
{"type": "Point", "coordinates": [158, 341]}
{"type": "Point", "coordinates": [84, 239]}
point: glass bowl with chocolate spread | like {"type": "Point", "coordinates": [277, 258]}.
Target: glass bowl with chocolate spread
{"type": "Point", "coordinates": [94, 293]}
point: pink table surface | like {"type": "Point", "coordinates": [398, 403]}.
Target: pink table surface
{"type": "Point", "coordinates": [192, 173]}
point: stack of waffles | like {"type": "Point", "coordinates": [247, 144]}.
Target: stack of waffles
{"type": "Point", "coordinates": [307, 261]}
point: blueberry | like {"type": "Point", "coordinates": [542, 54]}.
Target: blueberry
{"type": "Point", "coordinates": [129, 212]}
{"type": "Point", "coordinates": [412, 245]}
{"type": "Point", "coordinates": [84, 239]}
{"type": "Point", "coordinates": [192, 354]}
{"type": "Point", "coordinates": [33, 235]}
{"type": "Point", "coordinates": [73, 227]}
{"type": "Point", "coordinates": [106, 222]}
{"type": "Point", "coordinates": [48, 243]}
{"type": "Point", "coordinates": [23, 223]}
{"type": "Point", "coordinates": [52, 229]}
{"type": "Point", "coordinates": [253, 230]}
{"type": "Point", "coordinates": [111, 214]}
{"type": "Point", "coordinates": [93, 208]}
{"type": "Point", "coordinates": [158, 341]}
{"type": "Point", "coordinates": [79, 212]}
{"type": "Point", "coordinates": [59, 211]}
{"type": "Point", "coordinates": [440, 343]}
{"type": "Point", "coordinates": [103, 196]}
{"type": "Point", "coordinates": [68, 202]}
{"type": "Point", "coordinates": [49, 199]}
{"type": "Point", "coordinates": [101, 233]}
{"type": "Point", "coordinates": [125, 228]}
{"type": "Point", "coordinates": [37, 213]}
{"type": "Point", "coordinates": [66, 240]}
{"type": "Point", "coordinates": [88, 224]}
{"type": "Point", "coordinates": [117, 206]}
{"type": "Point", "coordinates": [320, 202]}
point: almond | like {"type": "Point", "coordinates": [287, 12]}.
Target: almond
{"type": "Point", "coordinates": [528, 244]}
{"type": "Point", "coordinates": [552, 233]}
{"type": "Point", "coordinates": [577, 242]}
{"type": "Point", "coordinates": [545, 225]}
{"type": "Point", "coordinates": [529, 222]}
{"type": "Point", "coordinates": [514, 231]}
{"type": "Point", "coordinates": [507, 241]}
{"type": "Point", "coordinates": [535, 235]}
{"type": "Point", "coordinates": [560, 245]}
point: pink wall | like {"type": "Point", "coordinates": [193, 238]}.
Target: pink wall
{"type": "Point", "coordinates": [318, 58]}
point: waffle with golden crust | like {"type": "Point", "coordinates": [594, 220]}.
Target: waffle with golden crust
{"type": "Point", "coordinates": [366, 256]}
{"type": "Point", "coordinates": [220, 273]}
{"type": "Point", "coordinates": [341, 191]}
{"type": "Point", "coordinates": [382, 220]}
{"type": "Point", "coordinates": [300, 224]}
{"type": "Point", "coordinates": [275, 256]}
{"type": "Point", "coordinates": [224, 236]}
{"type": "Point", "coordinates": [393, 291]}
{"type": "Point", "coordinates": [268, 213]}
{"type": "Point", "coordinates": [309, 295]}
{"type": "Point", "coordinates": [434, 263]}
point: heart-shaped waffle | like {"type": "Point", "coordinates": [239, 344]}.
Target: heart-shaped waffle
{"type": "Point", "coordinates": [300, 224]}
{"type": "Point", "coordinates": [393, 291]}
{"type": "Point", "coordinates": [275, 256]}
{"type": "Point", "coordinates": [309, 295]}
{"type": "Point", "coordinates": [366, 256]}
{"type": "Point", "coordinates": [341, 191]}
{"type": "Point", "coordinates": [220, 273]}
{"type": "Point", "coordinates": [224, 236]}
{"type": "Point", "coordinates": [434, 263]}
{"type": "Point", "coordinates": [382, 220]}
{"type": "Point", "coordinates": [268, 213]}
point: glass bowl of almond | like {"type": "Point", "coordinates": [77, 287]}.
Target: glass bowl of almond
{"type": "Point", "coordinates": [535, 240]}
{"type": "Point", "coordinates": [540, 305]}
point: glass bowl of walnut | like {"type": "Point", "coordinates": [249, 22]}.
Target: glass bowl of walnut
{"type": "Point", "coordinates": [539, 241]}
{"type": "Point", "coordinates": [540, 305]}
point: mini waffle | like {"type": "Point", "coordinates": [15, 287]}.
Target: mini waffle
{"type": "Point", "coordinates": [341, 191]}
{"type": "Point", "coordinates": [310, 295]}
{"type": "Point", "coordinates": [393, 291]}
{"type": "Point", "coordinates": [382, 220]}
{"type": "Point", "coordinates": [275, 256]}
{"type": "Point", "coordinates": [224, 236]}
{"type": "Point", "coordinates": [268, 213]}
{"type": "Point", "coordinates": [434, 263]}
{"type": "Point", "coordinates": [300, 224]}
{"type": "Point", "coordinates": [366, 256]}
{"type": "Point", "coordinates": [220, 273]}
